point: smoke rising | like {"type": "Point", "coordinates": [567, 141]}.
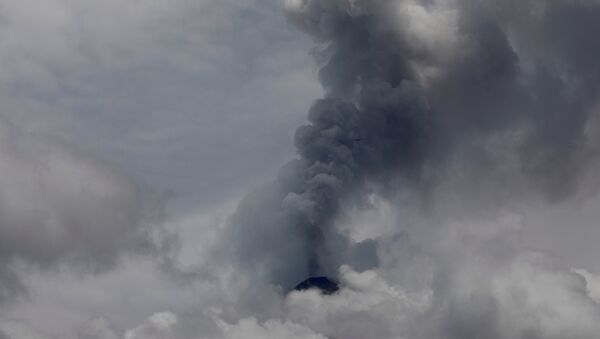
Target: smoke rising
{"type": "Point", "coordinates": [370, 126]}
{"type": "Point", "coordinates": [414, 92]}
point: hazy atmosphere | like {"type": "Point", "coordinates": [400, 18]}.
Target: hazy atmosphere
{"type": "Point", "coordinates": [175, 169]}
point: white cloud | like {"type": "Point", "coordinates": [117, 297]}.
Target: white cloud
{"type": "Point", "coordinates": [592, 284]}
{"type": "Point", "coordinates": [250, 328]}
{"type": "Point", "coordinates": [157, 326]}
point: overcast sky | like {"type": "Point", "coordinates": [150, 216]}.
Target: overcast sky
{"type": "Point", "coordinates": [195, 102]}
{"type": "Point", "coordinates": [137, 137]}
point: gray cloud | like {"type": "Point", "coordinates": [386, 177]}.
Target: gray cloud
{"type": "Point", "coordinates": [92, 75]}
{"type": "Point", "coordinates": [154, 79]}
{"type": "Point", "coordinates": [143, 85]}
{"type": "Point", "coordinates": [60, 205]}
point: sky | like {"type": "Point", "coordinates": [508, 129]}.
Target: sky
{"type": "Point", "coordinates": [172, 169]}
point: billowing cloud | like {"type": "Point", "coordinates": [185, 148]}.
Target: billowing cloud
{"type": "Point", "coordinates": [450, 288]}
{"type": "Point", "coordinates": [156, 326]}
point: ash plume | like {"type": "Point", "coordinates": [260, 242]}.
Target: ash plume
{"type": "Point", "coordinates": [370, 125]}
{"type": "Point", "coordinates": [413, 91]}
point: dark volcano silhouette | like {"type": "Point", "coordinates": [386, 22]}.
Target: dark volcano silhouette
{"type": "Point", "coordinates": [323, 284]}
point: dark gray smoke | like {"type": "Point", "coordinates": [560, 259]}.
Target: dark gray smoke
{"type": "Point", "coordinates": [369, 126]}
{"type": "Point", "coordinates": [503, 91]}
